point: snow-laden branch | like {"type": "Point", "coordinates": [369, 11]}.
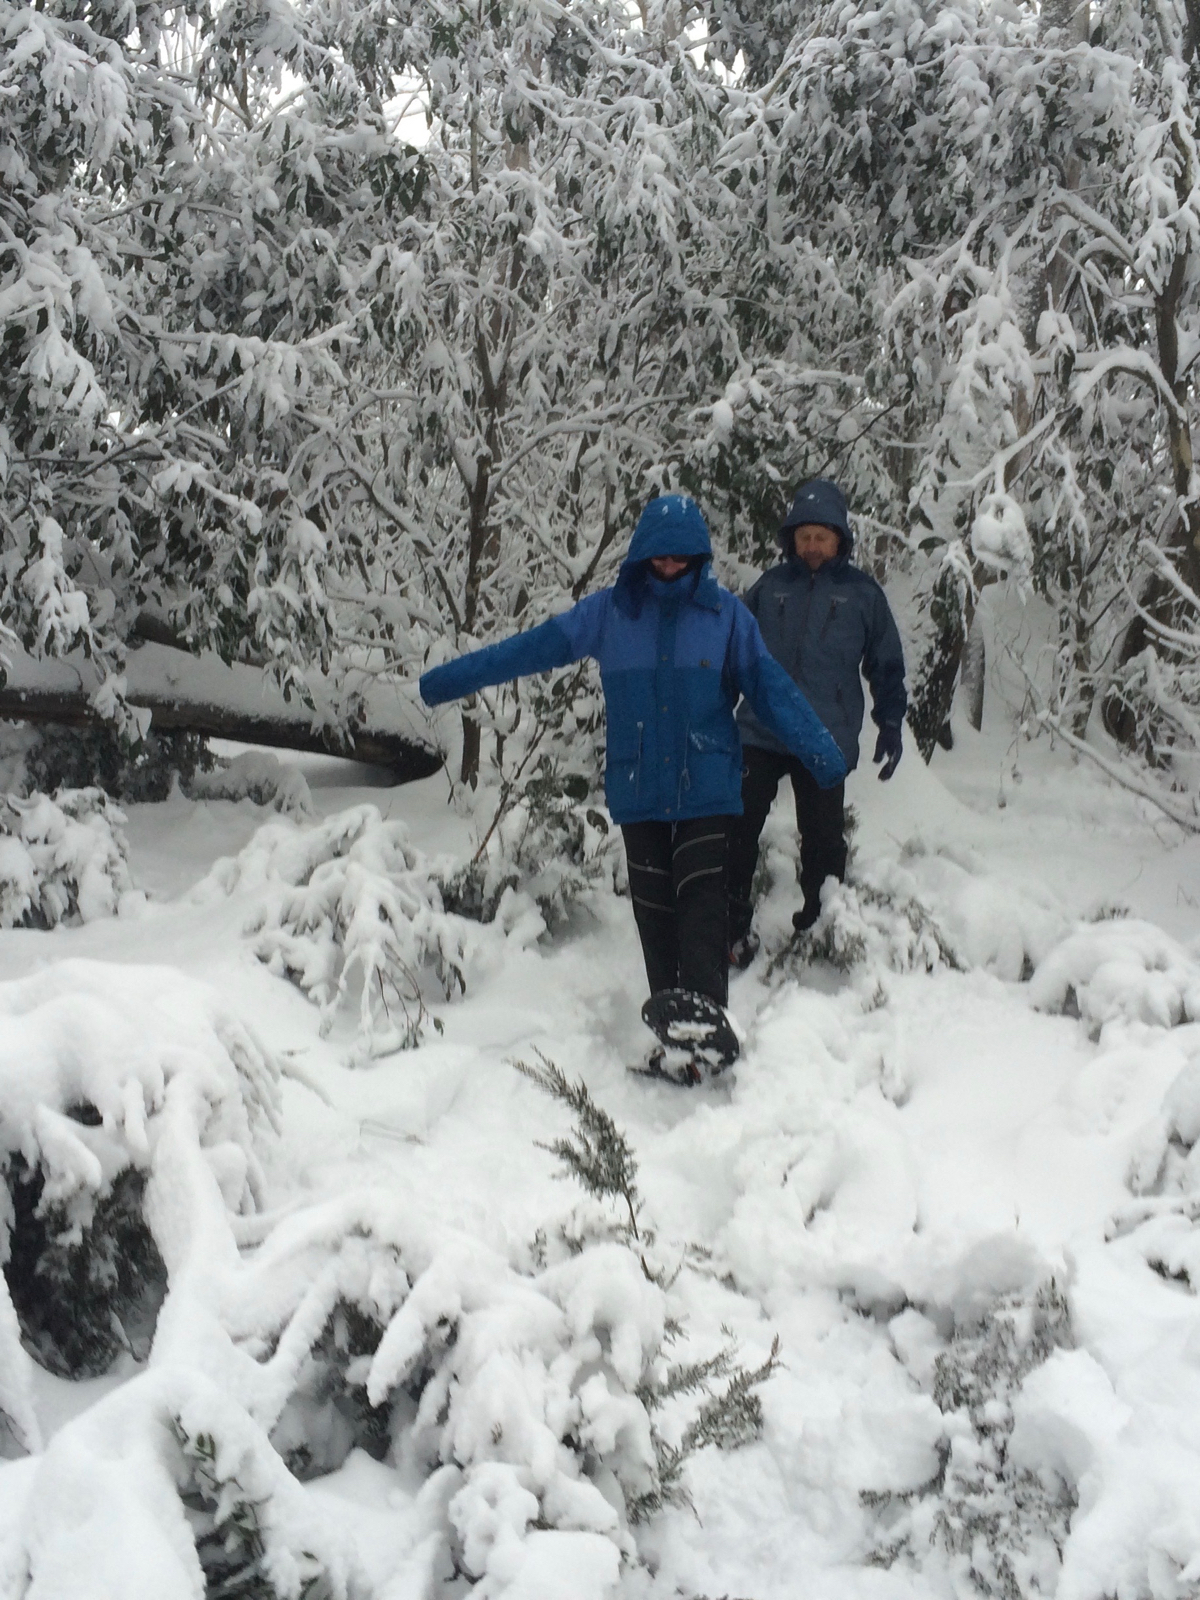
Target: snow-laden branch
{"type": "Point", "coordinates": [1097, 365]}
{"type": "Point", "coordinates": [1122, 774]}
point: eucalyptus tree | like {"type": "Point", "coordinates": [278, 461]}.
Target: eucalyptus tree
{"type": "Point", "coordinates": [180, 238]}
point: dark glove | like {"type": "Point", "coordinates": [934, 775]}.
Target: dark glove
{"type": "Point", "coordinates": [889, 747]}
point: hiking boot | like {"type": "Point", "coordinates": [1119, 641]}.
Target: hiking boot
{"type": "Point", "coordinates": [808, 913]}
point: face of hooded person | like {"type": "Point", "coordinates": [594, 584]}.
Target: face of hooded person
{"type": "Point", "coordinates": [816, 544]}
{"type": "Point", "coordinates": [668, 568]}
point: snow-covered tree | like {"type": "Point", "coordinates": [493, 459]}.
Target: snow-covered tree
{"type": "Point", "coordinates": [1017, 189]}
{"type": "Point", "coordinates": [180, 232]}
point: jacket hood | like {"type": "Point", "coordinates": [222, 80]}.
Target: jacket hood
{"type": "Point", "coordinates": [670, 525]}
{"type": "Point", "coordinates": [818, 500]}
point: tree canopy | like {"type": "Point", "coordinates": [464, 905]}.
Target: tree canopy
{"type": "Point", "coordinates": [292, 390]}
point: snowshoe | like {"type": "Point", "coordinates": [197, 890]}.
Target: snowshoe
{"type": "Point", "coordinates": [685, 1021]}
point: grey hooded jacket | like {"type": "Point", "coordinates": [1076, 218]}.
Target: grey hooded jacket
{"type": "Point", "coordinates": [823, 627]}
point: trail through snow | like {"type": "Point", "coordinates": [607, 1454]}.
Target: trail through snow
{"type": "Point", "coordinates": [899, 1153]}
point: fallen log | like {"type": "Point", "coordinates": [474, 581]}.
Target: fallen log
{"type": "Point", "coordinates": [221, 702]}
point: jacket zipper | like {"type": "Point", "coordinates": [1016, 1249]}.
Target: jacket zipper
{"type": "Point", "coordinates": [803, 635]}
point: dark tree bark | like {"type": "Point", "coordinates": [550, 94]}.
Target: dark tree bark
{"type": "Point", "coordinates": [937, 672]}
{"type": "Point", "coordinates": [404, 758]}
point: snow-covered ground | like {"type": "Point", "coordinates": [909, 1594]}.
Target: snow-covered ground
{"type": "Point", "coordinates": [988, 1163]}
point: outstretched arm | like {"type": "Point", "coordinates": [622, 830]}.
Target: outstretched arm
{"type": "Point", "coordinates": [552, 644]}
{"type": "Point", "coordinates": [779, 705]}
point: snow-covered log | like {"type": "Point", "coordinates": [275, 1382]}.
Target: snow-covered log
{"type": "Point", "coordinates": [201, 694]}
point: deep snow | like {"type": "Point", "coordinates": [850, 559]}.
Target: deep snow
{"type": "Point", "coordinates": [899, 1149]}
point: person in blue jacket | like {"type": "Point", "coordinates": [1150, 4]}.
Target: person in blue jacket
{"type": "Point", "coordinates": [675, 651]}
{"type": "Point", "coordinates": [824, 621]}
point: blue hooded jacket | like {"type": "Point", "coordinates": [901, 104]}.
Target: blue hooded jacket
{"type": "Point", "coordinates": [823, 626]}
{"type": "Point", "coordinates": [673, 659]}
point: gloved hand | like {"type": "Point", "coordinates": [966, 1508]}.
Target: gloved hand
{"type": "Point", "coordinates": [889, 747]}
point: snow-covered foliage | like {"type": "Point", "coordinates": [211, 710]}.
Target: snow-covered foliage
{"type": "Point", "coordinates": [61, 859]}
{"type": "Point", "coordinates": [926, 908]}
{"type": "Point", "coordinates": [259, 776]}
{"type": "Point", "coordinates": [348, 907]}
{"type": "Point", "coordinates": [128, 770]}
{"type": "Point", "coordinates": [861, 922]}
{"type": "Point", "coordinates": [546, 840]}
{"type": "Point", "coordinates": [293, 389]}
{"type": "Point", "coordinates": [1119, 970]}
{"type": "Point", "coordinates": [521, 1402]}
{"type": "Point", "coordinates": [173, 313]}
{"type": "Point", "coordinates": [121, 1089]}
{"type": "Point", "coordinates": [998, 1527]}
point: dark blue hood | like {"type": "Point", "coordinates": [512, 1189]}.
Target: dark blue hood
{"type": "Point", "coordinates": [670, 525]}
{"type": "Point", "coordinates": [818, 500]}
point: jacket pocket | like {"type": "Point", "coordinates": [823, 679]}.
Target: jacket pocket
{"type": "Point", "coordinates": [712, 771]}
{"type": "Point", "coordinates": [623, 766]}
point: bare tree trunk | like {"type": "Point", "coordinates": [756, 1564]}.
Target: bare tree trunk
{"type": "Point", "coordinates": [1072, 17]}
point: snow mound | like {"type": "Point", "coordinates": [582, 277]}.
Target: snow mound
{"type": "Point", "coordinates": [1002, 925]}
{"type": "Point", "coordinates": [351, 904]}
{"type": "Point", "coordinates": [165, 1490]}
{"type": "Point", "coordinates": [256, 775]}
{"type": "Point", "coordinates": [61, 859]}
{"type": "Point", "coordinates": [124, 1091]}
{"type": "Point", "coordinates": [1120, 970]}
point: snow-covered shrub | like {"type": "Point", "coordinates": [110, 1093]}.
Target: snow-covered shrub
{"type": "Point", "coordinates": [528, 1403]}
{"type": "Point", "coordinates": [97, 1063]}
{"type": "Point", "coordinates": [1165, 1168]}
{"type": "Point", "coordinates": [167, 1489]}
{"type": "Point", "coordinates": [514, 1396]}
{"type": "Point", "coordinates": [61, 859]}
{"type": "Point", "coordinates": [79, 758]}
{"type": "Point", "coordinates": [1119, 970]}
{"type": "Point", "coordinates": [352, 901]}
{"type": "Point", "coordinates": [551, 843]}
{"type": "Point", "coordinates": [253, 1531]}
{"type": "Point", "coordinates": [81, 1293]}
{"type": "Point", "coordinates": [256, 775]}
{"type": "Point", "coordinates": [992, 921]}
{"type": "Point", "coordinates": [999, 1526]}
{"type": "Point", "coordinates": [599, 1157]}
{"type": "Point", "coordinates": [866, 922]}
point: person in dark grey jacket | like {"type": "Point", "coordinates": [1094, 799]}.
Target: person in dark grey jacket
{"type": "Point", "coordinates": [824, 621]}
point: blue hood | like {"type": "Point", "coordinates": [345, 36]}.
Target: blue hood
{"type": "Point", "coordinates": [818, 500]}
{"type": "Point", "coordinates": [670, 525]}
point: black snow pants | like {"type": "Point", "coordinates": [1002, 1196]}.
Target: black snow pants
{"type": "Point", "coordinates": [820, 817]}
{"type": "Point", "coordinates": [677, 881]}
